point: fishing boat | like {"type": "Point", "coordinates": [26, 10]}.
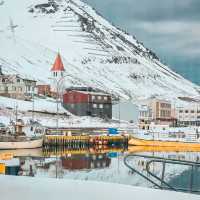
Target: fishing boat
{"type": "Point", "coordinates": [20, 142]}
{"type": "Point", "coordinates": [17, 139]}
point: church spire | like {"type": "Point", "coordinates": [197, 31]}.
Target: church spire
{"type": "Point", "coordinates": [58, 65]}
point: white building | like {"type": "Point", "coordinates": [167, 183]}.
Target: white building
{"type": "Point", "coordinates": [155, 111]}
{"type": "Point", "coordinates": [188, 115]}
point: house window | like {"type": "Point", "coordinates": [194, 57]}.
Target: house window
{"type": "Point", "coordinates": [18, 80]}
{"type": "Point", "coordinates": [94, 105]}
{"type": "Point", "coordinates": [6, 89]}
{"type": "Point", "coordinates": [14, 88]}
{"type": "Point", "coordinates": [55, 74]}
{"type": "Point", "coordinates": [99, 97]}
{"type": "Point", "coordinates": [20, 89]}
{"type": "Point", "coordinates": [93, 97]}
{"type": "Point", "coordinates": [101, 106]}
{"type": "Point", "coordinates": [105, 98]}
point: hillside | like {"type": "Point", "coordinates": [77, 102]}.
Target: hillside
{"type": "Point", "coordinates": [95, 53]}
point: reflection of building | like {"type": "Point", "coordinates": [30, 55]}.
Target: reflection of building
{"type": "Point", "coordinates": [11, 166]}
{"type": "Point", "coordinates": [90, 161]}
{"type": "Point", "coordinates": [87, 101]}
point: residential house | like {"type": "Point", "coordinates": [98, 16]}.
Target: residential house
{"type": "Point", "coordinates": [14, 86]}
{"type": "Point", "coordinates": [88, 102]}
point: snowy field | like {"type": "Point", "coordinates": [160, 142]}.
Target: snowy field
{"type": "Point", "coordinates": [65, 119]}
{"type": "Point", "coordinates": [24, 188]}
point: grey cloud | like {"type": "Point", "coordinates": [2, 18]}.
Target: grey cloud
{"type": "Point", "coordinates": [171, 28]}
{"type": "Point", "coordinates": [150, 10]}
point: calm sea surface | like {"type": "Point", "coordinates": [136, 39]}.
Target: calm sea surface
{"type": "Point", "coordinates": [136, 166]}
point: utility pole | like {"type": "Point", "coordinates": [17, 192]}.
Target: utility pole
{"type": "Point", "coordinates": [57, 102]}
{"type": "Point", "coordinates": [119, 113]}
{"type": "Point", "coordinates": [33, 106]}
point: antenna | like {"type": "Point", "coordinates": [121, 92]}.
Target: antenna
{"type": "Point", "coordinates": [12, 28]}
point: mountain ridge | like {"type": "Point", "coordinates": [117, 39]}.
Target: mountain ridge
{"type": "Point", "coordinates": [95, 53]}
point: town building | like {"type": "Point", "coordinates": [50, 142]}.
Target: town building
{"type": "Point", "coordinates": [44, 90]}
{"type": "Point", "coordinates": [188, 115]}
{"type": "Point", "coordinates": [155, 111]}
{"type": "Point", "coordinates": [14, 86]}
{"type": "Point", "coordinates": [145, 117]}
{"type": "Point", "coordinates": [88, 102]}
{"type": "Point", "coordinates": [58, 76]}
{"type": "Point", "coordinates": [125, 110]}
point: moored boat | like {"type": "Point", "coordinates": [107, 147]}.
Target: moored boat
{"type": "Point", "coordinates": [20, 136]}
{"type": "Point", "coordinates": [20, 142]}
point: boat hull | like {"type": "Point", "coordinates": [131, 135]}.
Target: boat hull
{"type": "Point", "coordinates": [32, 144]}
{"type": "Point", "coordinates": [157, 143]}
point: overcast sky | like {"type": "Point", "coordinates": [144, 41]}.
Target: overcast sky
{"type": "Point", "coordinates": [171, 28]}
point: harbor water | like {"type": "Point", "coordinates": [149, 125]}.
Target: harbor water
{"type": "Point", "coordinates": [164, 170]}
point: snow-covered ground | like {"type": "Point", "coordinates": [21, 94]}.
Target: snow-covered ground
{"type": "Point", "coordinates": [24, 188]}
{"type": "Point", "coordinates": [49, 106]}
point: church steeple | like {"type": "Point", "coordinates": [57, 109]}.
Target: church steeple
{"type": "Point", "coordinates": [58, 67]}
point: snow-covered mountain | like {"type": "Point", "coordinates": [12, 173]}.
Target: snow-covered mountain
{"type": "Point", "coordinates": [95, 53]}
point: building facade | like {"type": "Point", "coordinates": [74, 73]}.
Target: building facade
{"type": "Point", "coordinates": [145, 117]}
{"type": "Point", "coordinates": [188, 115]}
{"type": "Point", "coordinates": [44, 90]}
{"type": "Point", "coordinates": [58, 77]}
{"type": "Point", "coordinates": [14, 86]}
{"type": "Point", "coordinates": [88, 103]}
{"type": "Point", "coordinates": [155, 111]}
{"type": "Point", "coordinates": [161, 111]}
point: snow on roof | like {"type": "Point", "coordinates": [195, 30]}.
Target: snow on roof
{"type": "Point", "coordinates": [92, 93]}
{"type": "Point", "coordinates": [43, 105]}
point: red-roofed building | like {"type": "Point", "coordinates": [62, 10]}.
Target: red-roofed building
{"type": "Point", "coordinates": [88, 102]}
{"type": "Point", "coordinates": [58, 67]}
{"type": "Point", "coordinates": [57, 71]}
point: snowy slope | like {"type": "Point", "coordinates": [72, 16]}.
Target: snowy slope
{"type": "Point", "coordinates": [95, 53]}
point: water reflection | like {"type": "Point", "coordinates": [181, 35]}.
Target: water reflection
{"type": "Point", "coordinates": [102, 164]}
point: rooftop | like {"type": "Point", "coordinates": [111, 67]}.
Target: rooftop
{"type": "Point", "coordinates": [58, 64]}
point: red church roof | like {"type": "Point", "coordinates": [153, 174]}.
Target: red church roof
{"type": "Point", "coordinates": [58, 64]}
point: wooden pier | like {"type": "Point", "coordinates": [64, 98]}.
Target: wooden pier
{"type": "Point", "coordinates": [84, 141]}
